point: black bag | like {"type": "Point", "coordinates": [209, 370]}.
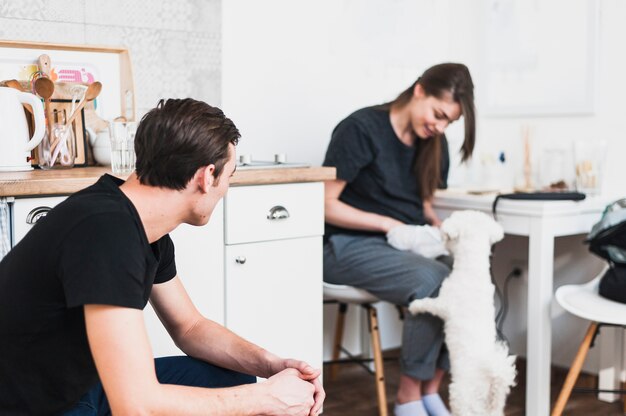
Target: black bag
{"type": "Point", "coordinates": [613, 283]}
{"type": "Point", "coordinates": [607, 239]}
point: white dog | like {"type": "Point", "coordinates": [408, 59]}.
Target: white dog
{"type": "Point", "coordinates": [482, 370]}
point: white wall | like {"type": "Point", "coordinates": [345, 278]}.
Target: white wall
{"type": "Point", "coordinates": [174, 46]}
{"type": "Point", "coordinates": [293, 69]}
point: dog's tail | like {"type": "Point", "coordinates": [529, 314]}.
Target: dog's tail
{"type": "Point", "coordinates": [502, 375]}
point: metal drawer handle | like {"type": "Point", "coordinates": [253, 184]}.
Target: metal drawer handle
{"type": "Point", "coordinates": [278, 213]}
{"type": "Point", "coordinates": [36, 214]}
{"type": "Point", "coordinates": [240, 260]}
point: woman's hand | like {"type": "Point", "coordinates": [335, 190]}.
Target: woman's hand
{"type": "Point", "coordinates": [424, 240]}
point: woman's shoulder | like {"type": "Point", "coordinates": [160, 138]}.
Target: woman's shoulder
{"type": "Point", "coordinates": [376, 113]}
{"type": "Point", "coordinates": [368, 118]}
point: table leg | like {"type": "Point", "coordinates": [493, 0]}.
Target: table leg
{"type": "Point", "coordinates": [539, 339]}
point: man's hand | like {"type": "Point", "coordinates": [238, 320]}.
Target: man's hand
{"type": "Point", "coordinates": [306, 372]}
{"type": "Point", "coordinates": [289, 394]}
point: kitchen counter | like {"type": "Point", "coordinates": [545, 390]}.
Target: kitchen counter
{"type": "Point", "coordinates": [64, 182]}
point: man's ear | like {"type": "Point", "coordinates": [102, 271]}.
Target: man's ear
{"type": "Point", "coordinates": [204, 177]}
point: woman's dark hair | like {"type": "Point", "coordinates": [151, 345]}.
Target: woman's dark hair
{"type": "Point", "coordinates": [438, 81]}
{"type": "Point", "coordinates": [177, 138]}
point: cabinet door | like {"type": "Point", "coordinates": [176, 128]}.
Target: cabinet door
{"type": "Point", "coordinates": [27, 211]}
{"type": "Point", "coordinates": [200, 266]}
{"type": "Point", "coordinates": [274, 296]}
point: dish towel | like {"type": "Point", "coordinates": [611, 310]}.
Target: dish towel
{"type": "Point", "coordinates": [424, 240]}
{"type": "Point", "coordinates": [5, 236]}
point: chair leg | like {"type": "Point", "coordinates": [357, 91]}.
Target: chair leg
{"type": "Point", "coordinates": [574, 371]}
{"type": "Point", "coordinates": [341, 318]}
{"type": "Point", "coordinates": [378, 361]}
{"type": "Point", "coordinates": [624, 396]}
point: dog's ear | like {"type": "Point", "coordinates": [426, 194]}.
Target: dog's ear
{"type": "Point", "coordinates": [496, 233]}
{"type": "Point", "coordinates": [449, 229]}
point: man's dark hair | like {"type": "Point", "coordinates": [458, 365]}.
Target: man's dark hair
{"type": "Point", "coordinates": [177, 138]}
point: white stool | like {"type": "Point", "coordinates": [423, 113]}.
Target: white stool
{"type": "Point", "coordinates": [344, 296]}
{"type": "Point", "coordinates": [585, 302]}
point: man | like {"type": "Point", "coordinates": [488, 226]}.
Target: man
{"type": "Point", "coordinates": [72, 335]}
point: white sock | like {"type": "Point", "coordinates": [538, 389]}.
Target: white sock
{"type": "Point", "coordinates": [415, 408]}
{"type": "Point", "coordinates": [434, 405]}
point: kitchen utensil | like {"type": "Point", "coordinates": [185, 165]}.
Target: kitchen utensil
{"type": "Point", "coordinates": [77, 92]}
{"type": "Point", "coordinates": [63, 136]}
{"type": "Point", "coordinates": [15, 144]}
{"type": "Point", "coordinates": [63, 153]}
{"type": "Point", "coordinates": [45, 65]}
{"type": "Point", "coordinates": [45, 88]}
{"type": "Point", "coordinates": [93, 90]}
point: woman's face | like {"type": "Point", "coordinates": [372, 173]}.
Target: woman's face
{"type": "Point", "coordinates": [431, 115]}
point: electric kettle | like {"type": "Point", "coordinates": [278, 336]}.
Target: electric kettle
{"type": "Point", "coordinates": [15, 145]}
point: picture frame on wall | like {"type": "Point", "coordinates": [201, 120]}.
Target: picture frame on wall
{"type": "Point", "coordinates": [526, 73]}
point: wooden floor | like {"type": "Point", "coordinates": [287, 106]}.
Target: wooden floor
{"type": "Point", "coordinates": [354, 393]}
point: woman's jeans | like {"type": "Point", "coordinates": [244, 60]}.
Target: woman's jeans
{"type": "Point", "coordinates": [183, 371]}
{"type": "Point", "coordinates": [370, 263]}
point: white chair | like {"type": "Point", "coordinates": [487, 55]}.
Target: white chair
{"type": "Point", "coordinates": [348, 295]}
{"type": "Point", "coordinates": [585, 302]}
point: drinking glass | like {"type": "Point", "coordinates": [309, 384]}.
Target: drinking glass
{"type": "Point", "coordinates": [589, 159]}
{"type": "Point", "coordinates": [122, 135]}
{"type": "Point", "coordinates": [57, 150]}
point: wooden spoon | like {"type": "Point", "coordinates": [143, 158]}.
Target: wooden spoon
{"type": "Point", "coordinates": [45, 89]}
{"type": "Point", "coordinates": [93, 90]}
{"type": "Point", "coordinates": [44, 64]}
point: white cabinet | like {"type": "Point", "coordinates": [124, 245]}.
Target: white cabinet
{"type": "Point", "coordinates": [256, 267]}
{"type": "Point", "coordinates": [200, 266]}
{"type": "Point", "coordinates": [273, 264]}
{"type": "Point", "coordinates": [26, 211]}
{"type": "Point", "coordinates": [274, 296]}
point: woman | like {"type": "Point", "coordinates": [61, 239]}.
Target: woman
{"type": "Point", "coordinates": [390, 159]}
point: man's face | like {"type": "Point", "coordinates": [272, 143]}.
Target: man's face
{"type": "Point", "coordinates": [205, 205]}
{"type": "Point", "coordinates": [223, 181]}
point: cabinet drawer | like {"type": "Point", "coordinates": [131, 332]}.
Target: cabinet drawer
{"type": "Point", "coordinates": [272, 212]}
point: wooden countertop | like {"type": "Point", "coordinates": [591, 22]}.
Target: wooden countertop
{"type": "Point", "coordinates": [64, 182]}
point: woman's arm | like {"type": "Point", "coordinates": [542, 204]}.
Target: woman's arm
{"type": "Point", "coordinates": [430, 214]}
{"type": "Point", "coordinates": [343, 215]}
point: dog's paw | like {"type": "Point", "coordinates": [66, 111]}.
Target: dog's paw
{"type": "Point", "coordinates": [417, 306]}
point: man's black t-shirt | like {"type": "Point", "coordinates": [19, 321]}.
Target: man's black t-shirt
{"type": "Point", "coordinates": [90, 249]}
{"type": "Point", "coordinates": [378, 168]}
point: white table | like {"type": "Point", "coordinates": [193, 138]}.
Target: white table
{"type": "Point", "coordinates": [541, 222]}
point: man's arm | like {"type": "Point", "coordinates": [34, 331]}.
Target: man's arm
{"type": "Point", "coordinates": [206, 340]}
{"type": "Point", "coordinates": [123, 357]}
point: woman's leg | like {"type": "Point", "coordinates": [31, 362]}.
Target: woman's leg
{"type": "Point", "coordinates": [397, 277]}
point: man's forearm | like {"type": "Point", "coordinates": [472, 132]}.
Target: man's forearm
{"type": "Point", "coordinates": [213, 343]}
